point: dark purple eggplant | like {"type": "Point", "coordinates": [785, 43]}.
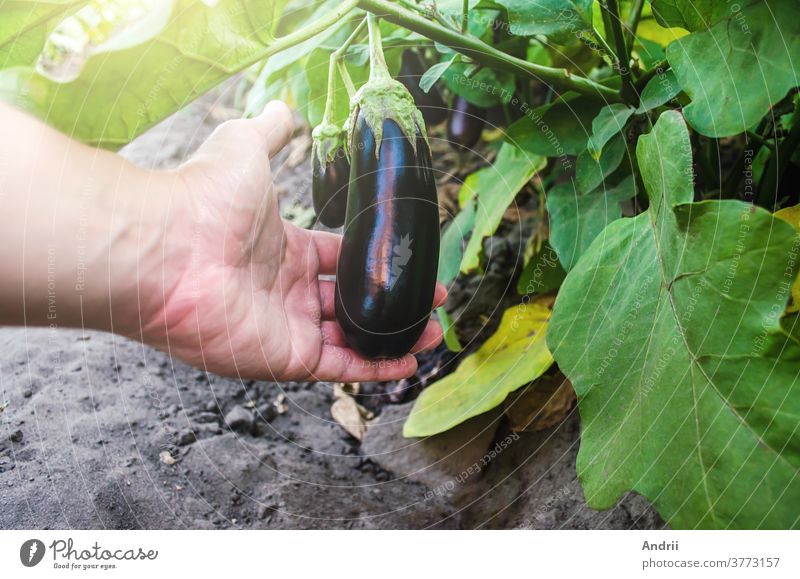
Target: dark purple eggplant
{"type": "Point", "coordinates": [466, 124]}
{"type": "Point", "coordinates": [386, 276]}
{"type": "Point", "coordinates": [330, 174]}
{"type": "Point", "coordinates": [431, 104]}
{"type": "Point", "coordinates": [390, 251]}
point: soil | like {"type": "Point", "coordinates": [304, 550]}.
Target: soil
{"type": "Point", "coordinates": [97, 431]}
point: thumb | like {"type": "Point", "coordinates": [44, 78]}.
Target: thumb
{"type": "Point", "coordinates": [275, 126]}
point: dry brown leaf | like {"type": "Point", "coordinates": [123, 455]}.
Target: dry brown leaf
{"type": "Point", "coordinates": [298, 147]}
{"type": "Point", "coordinates": [540, 405]}
{"type": "Point", "coordinates": [341, 389]}
{"type": "Point", "coordinates": [351, 416]}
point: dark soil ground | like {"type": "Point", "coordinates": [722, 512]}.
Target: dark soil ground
{"type": "Point", "coordinates": [100, 432]}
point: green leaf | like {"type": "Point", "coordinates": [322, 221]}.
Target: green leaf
{"type": "Point", "coordinates": [661, 89]}
{"type": "Point", "coordinates": [577, 219]}
{"type": "Point", "coordinates": [434, 73]}
{"type": "Point", "coordinates": [590, 172]}
{"type": "Point", "coordinates": [610, 121]}
{"type": "Point", "coordinates": [560, 20]}
{"type": "Point", "coordinates": [451, 249]}
{"type": "Point", "coordinates": [691, 14]}
{"type": "Point", "coordinates": [555, 130]}
{"type": "Point", "coordinates": [496, 189]}
{"type": "Point", "coordinates": [739, 68]}
{"type": "Point", "coordinates": [669, 328]}
{"type": "Point", "coordinates": [542, 272]}
{"type": "Point", "coordinates": [25, 26]}
{"type": "Point", "coordinates": [148, 72]}
{"type": "Point", "coordinates": [485, 88]}
{"type": "Point", "coordinates": [513, 356]}
{"type": "Point", "coordinates": [449, 331]}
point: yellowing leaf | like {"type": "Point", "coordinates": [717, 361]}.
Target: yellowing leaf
{"type": "Point", "coordinates": [515, 355]}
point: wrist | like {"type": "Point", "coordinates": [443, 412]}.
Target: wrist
{"type": "Point", "coordinates": [150, 255]}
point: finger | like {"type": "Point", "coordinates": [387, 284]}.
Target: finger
{"type": "Point", "coordinates": [328, 245]}
{"type": "Point", "coordinates": [339, 364]}
{"type": "Point", "coordinates": [332, 334]}
{"type": "Point", "coordinates": [431, 337]}
{"type": "Point", "coordinates": [275, 125]}
{"type": "Point", "coordinates": [327, 293]}
{"type": "Point", "coordinates": [439, 295]}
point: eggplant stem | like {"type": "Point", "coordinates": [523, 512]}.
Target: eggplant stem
{"type": "Point", "coordinates": [378, 70]}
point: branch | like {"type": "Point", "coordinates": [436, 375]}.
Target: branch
{"type": "Point", "coordinates": [627, 91]}
{"type": "Point", "coordinates": [486, 54]}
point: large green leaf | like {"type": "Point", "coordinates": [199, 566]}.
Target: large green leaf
{"type": "Point", "coordinates": [740, 67]}
{"type": "Point", "coordinates": [669, 329]}
{"type": "Point", "coordinates": [515, 355]}
{"type": "Point", "coordinates": [692, 14]}
{"type": "Point", "coordinates": [560, 20]}
{"type": "Point", "coordinates": [555, 130]}
{"type": "Point", "coordinates": [150, 71]}
{"type": "Point", "coordinates": [25, 26]}
{"type": "Point", "coordinates": [497, 187]}
{"type": "Point", "coordinates": [576, 219]}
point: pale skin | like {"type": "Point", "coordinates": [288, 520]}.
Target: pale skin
{"type": "Point", "coordinates": [196, 261]}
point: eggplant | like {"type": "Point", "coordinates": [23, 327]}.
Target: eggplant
{"type": "Point", "coordinates": [431, 104]}
{"type": "Point", "coordinates": [389, 258]}
{"type": "Point", "coordinates": [466, 124]}
{"type": "Point", "coordinates": [330, 173]}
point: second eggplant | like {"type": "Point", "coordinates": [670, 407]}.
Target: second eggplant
{"type": "Point", "coordinates": [465, 125]}
{"type": "Point", "coordinates": [330, 173]}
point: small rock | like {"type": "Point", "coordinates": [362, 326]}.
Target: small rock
{"type": "Point", "coordinates": [27, 393]}
{"type": "Point", "coordinates": [266, 412]}
{"type": "Point", "coordinates": [167, 458]}
{"type": "Point", "coordinates": [212, 406]}
{"type": "Point", "coordinates": [239, 419]}
{"type": "Point", "coordinates": [16, 436]}
{"type": "Point", "coordinates": [206, 417]}
{"type": "Point", "coordinates": [186, 437]}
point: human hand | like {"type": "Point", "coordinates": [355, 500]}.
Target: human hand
{"type": "Point", "coordinates": [242, 295]}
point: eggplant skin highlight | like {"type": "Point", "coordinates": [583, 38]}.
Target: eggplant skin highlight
{"type": "Point", "coordinates": [329, 188]}
{"type": "Point", "coordinates": [389, 258]}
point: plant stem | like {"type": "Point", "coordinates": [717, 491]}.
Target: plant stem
{"type": "Point", "coordinates": [378, 70]}
{"type": "Point", "coordinates": [778, 162]}
{"type": "Point", "coordinates": [336, 64]}
{"type": "Point", "coordinates": [627, 91]}
{"type": "Point", "coordinates": [320, 25]}
{"type": "Point", "coordinates": [464, 16]}
{"type": "Point", "coordinates": [658, 68]}
{"type": "Point", "coordinates": [633, 23]}
{"type": "Point", "coordinates": [486, 54]}
{"type": "Point", "coordinates": [602, 46]}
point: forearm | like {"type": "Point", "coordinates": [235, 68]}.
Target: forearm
{"type": "Point", "coordinates": [84, 232]}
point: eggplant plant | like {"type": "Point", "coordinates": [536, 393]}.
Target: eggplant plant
{"type": "Point", "coordinates": [652, 150]}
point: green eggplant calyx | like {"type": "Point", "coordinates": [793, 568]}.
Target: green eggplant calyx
{"type": "Point", "coordinates": [327, 139]}
{"type": "Point", "coordinates": [385, 98]}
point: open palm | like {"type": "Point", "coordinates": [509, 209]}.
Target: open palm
{"type": "Point", "coordinates": [247, 300]}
